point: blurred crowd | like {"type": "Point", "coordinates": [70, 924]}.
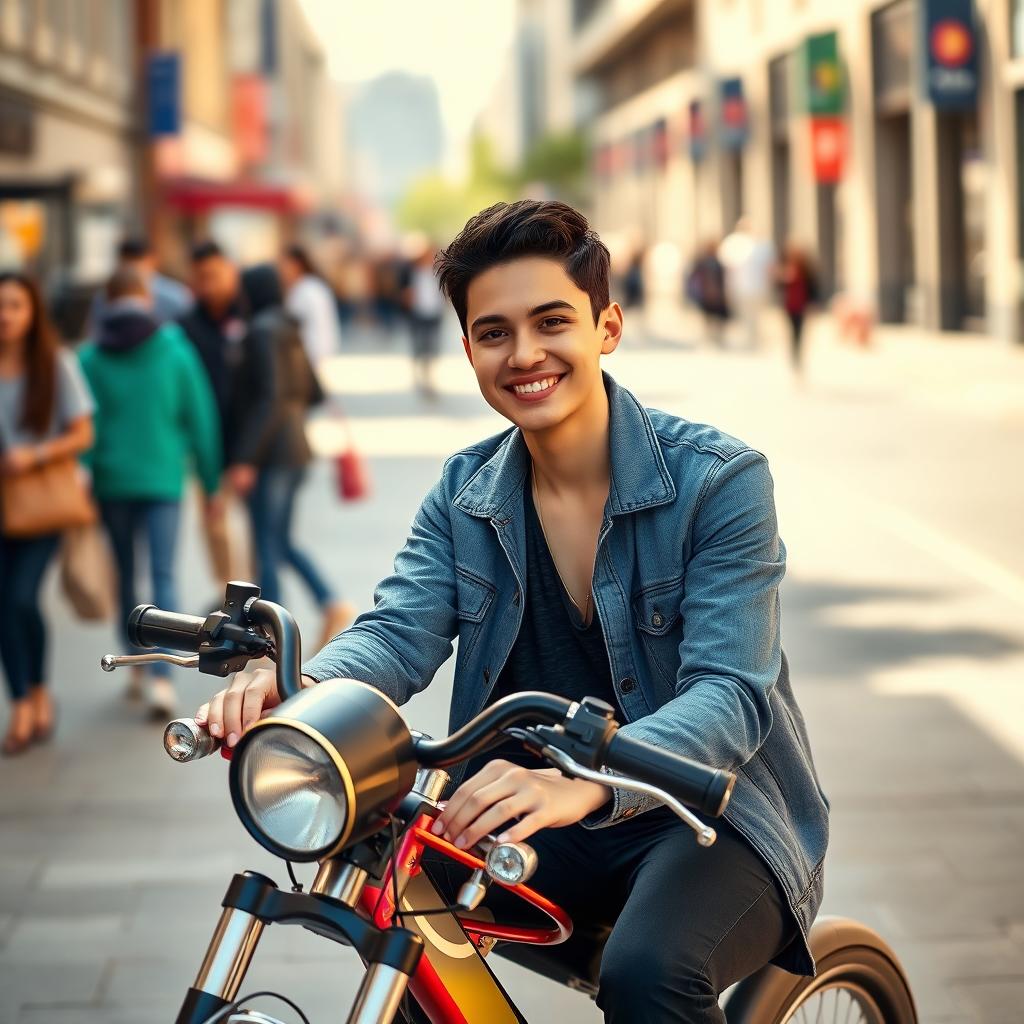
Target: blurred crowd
{"type": "Point", "coordinates": [732, 281]}
{"type": "Point", "coordinates": [213, 379]}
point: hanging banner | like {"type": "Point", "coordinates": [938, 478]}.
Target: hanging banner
{"type": "Point", "coordinates": [249, 104]}
{"type": "Point", "coordinates": [828, 149]}
{"type": "Point", "coordinates": [698, 132]}
{"type": "Point", "coordinates": [951, 48]}
{"type": "Point", "coordinates": [163, 93]}
{"type": "Point", "coordinates": [733, 128]}
{"type": "Point", "coordinates": [824, 75]}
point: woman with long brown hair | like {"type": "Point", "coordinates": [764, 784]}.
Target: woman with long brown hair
{"type": "Point", "coordinates": [45, 414]}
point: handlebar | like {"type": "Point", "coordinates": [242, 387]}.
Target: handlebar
{"type": "Point", "coordinates": [226, 640]}
{"type": "Point", "coordinates": [149, 626]}
{"type": "Point", "coordinates": [696, 785]}
{"type": "Point", "coordinates": [486, 729]}
{"type": "Point", "coordinates": [583, 735]}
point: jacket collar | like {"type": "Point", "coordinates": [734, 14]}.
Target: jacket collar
{"type": "Point", "coordinates": [640, 478]}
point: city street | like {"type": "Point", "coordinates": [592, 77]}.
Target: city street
{"type": "Point", "coordinates": [901, 502]}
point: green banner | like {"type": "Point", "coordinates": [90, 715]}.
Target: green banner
{"type": "Point", "coordinates": [824, 75]}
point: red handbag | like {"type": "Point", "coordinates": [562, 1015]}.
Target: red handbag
{"type": "Point", "coordinates": [353, 473]}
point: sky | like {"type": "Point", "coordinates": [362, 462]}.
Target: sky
{"type": "Point", "coordinates": [462, 44]}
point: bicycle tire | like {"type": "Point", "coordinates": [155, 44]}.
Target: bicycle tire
{"type": "Point", "coordinates": [849, 956]}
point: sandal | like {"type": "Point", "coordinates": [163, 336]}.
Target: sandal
{"type": "Point", "coordinates": [42, 731]}
{"type": "Point", "coordinates": [14, 745]}
{"type": "Point", "coordinates": [19, 730]}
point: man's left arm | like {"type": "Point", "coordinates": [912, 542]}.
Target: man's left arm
{"type": "Point", "coordinates": [731, 653]}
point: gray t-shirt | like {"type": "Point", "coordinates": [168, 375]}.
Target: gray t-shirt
{"type": "Point", "coordinates": [72, 399]}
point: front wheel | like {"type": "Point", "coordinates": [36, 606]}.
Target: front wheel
{"type": "Point", "coordinates": [859, 981]}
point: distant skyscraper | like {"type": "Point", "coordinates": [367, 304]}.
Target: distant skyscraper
{"type": "Point", "coordinates": [394, 133]}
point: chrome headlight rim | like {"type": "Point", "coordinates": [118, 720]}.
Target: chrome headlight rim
{"type": "Point", "coordinates": [243, 812]}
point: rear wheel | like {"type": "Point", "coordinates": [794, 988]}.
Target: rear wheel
{"type": "Point", "coordinates": [859, 981]}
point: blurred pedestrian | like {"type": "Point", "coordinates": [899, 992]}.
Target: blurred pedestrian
{"type": "Point", "coordinates": [312, 303]}
{"type": "Point", "coordinates": [748, 261]}
{"type": "Point", "coordinates": [271, 455]}
{"type": "Point", "coordinates": [798, 284]}
{"type": "Point", "coordinates": [705, 288]}
{"type": "Point", "coordinates": [217, 325]}
{"type": "Point", "coordinates": [170, 298]}
{"type": "Point", "coordinates": [425, 307]}
{"type": "Point", "coordinates": [45, 414]}
{"type": "Point", "coordinates": [633, 290]}
{"type": "Point", "coordinates": [155, 419]}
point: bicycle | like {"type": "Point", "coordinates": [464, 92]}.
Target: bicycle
{"type": "Point", "coordinates": [334, 775]}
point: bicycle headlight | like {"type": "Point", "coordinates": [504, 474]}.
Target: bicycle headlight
{"type": "Point", "coordinates": [323, 770]}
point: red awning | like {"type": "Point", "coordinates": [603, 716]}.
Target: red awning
{"type": "Point", "coordinates": [194, 196]}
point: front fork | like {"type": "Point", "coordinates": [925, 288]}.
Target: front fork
{"type": "Point", "coordinates": [253, 901]}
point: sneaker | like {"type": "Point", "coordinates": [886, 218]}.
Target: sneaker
{"type": "Point", "coordinates": [337, 616]}
{"type": "Point", "coordinates": [163, 700]}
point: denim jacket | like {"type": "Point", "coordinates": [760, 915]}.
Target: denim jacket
{"type": "Point", "coordinates": [686, 583]}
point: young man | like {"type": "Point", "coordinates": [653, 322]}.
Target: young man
{"type": "Point", "coordinates": [601, 548]}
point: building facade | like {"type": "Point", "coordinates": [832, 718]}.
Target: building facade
{"type": "Point", "coordinates": [67, 145]}
{"type": "Point", "coordinates": [885, 137]}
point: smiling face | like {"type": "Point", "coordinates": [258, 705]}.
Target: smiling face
{"type": "Point", "coordinates": [533, 342]}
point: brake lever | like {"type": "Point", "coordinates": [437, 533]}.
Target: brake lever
{"type": "Point", "coordinates": [706, 835]}
{"type": "Point", "coordinates": [109, 662]}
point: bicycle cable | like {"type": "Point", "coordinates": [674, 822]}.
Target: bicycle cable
{"type": "Point", "coordinates": [231, 1007]}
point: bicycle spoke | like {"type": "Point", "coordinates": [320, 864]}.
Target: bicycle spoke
{"type": "Point", "coordinates": [850, 1003]}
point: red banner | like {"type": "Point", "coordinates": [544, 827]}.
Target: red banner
{"type": "Point", "coordinates": [249, 118]}
{"type": "Point", "coordinates": [828, 149]}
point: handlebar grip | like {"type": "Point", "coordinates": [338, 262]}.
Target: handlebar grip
{"type": "Point", "coordinates": [705, 789]}
{"type": "Point", "coordinates": [149, 626]}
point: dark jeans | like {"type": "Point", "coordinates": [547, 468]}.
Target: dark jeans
{"type": "Point", "coordinates": [272, 508]}
{"type": "Point", "coordinates": [686, 922]}
{"type": "Point", "coordinates": [22, 629]}
{"type": "Point", "coordinates": [796, 323]}
{"type": "Point", "coordinates": [126, 519]}
{"type": "Point", "coordinates": [426, 335]}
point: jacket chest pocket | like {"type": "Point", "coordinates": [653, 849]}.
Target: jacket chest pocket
{"type": "Point", "coordinates": [475, 597]}
{"type": "Point", "coordinates": [659, 623]}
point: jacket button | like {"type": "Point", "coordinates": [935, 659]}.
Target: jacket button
{"type": "Point", "coordinates": [627, 685]}
{"type": "Point", "coordinates": [657, 620]}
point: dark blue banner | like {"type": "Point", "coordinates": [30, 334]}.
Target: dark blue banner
{"type": "Point", "coordinates": [733, 122]}
{"type": "Point", "coordinates": [163, 93]}
{"type": "Point", "coordinates": [950, 42]}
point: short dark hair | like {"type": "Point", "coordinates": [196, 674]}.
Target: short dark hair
{"type": "Point", "coordinates": [125, 282]}
{"type": "Point", "coordinates": [206, 250]}
{"type": "Point", "coordinates": [529, 227]}
{"type": "Point", "coordinates": [134, 247]}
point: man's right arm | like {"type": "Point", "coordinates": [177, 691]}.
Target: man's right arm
{"type": "Point", "coordinates": [397, 647]}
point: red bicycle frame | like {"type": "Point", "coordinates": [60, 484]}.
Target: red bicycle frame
{"type": "Point", "coordinates": [453, 984]}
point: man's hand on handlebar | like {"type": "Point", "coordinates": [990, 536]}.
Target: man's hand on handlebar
{"type": "Point", "coordinates": [502, 791]}
{"type": "Point", "coordinates": [233, 710]}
